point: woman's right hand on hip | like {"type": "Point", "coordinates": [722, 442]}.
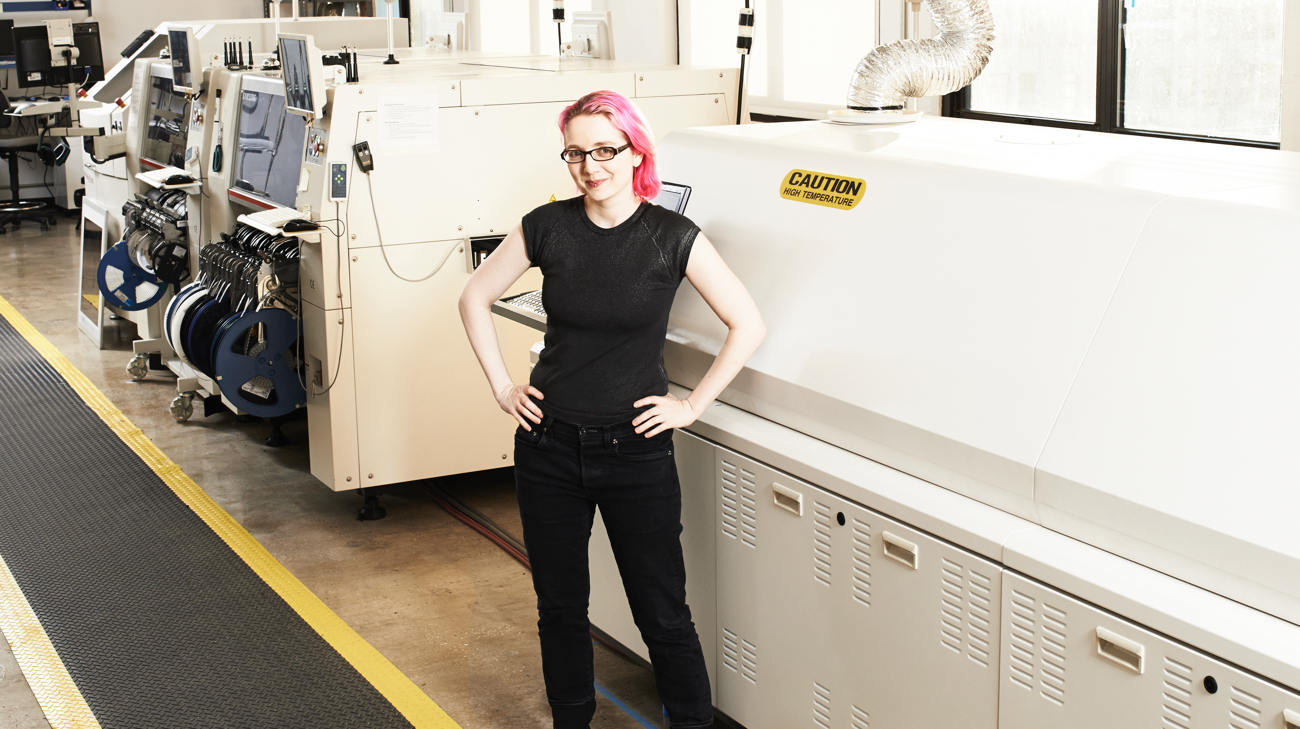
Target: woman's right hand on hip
{"type": "Point", "coordinates": [517, 400]}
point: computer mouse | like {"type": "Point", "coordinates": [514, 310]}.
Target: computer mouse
{"type": "Point", "coordinates": [298, 225]}
{"type": "Point", "coordinates": [179, 180]}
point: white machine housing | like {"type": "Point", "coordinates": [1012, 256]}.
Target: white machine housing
{"type": "Point", "coordinates": [1017, 448]}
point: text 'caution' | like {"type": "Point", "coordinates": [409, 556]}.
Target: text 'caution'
{"type": "Point", "coordinates": [819, 188]}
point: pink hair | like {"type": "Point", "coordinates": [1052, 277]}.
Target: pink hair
{"type": "Point", "coordinates": [626, 118]}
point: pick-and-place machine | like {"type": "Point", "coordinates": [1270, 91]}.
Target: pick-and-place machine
{"type": "Point", "coordinates": [459, 147]}
{"type": "Point", "coordinates": [1019, 449]}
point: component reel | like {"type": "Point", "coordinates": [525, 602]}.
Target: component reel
{"type": "Point", "coordinates": [124, 284]}
{"type": "Point", "coordinates": [257, 365]}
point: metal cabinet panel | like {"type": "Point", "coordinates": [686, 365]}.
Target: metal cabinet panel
{"type": "Point", "coordinates": [609, 610]}
{"type": "Point", "coordinates": [1069, 665]}
{"type": "Point", "coordinates": [832, 615]}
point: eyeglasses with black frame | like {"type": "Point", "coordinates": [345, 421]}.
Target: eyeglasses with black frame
{"type": "Point", "coordinates": [600, 154]}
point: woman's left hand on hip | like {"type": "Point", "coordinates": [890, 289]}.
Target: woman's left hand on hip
{"type": "Point", "coordinates": [667, 412]}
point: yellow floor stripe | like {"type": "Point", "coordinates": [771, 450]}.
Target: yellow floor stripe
{"type": "Point", "coordinates": [58, 695]}
{"type": "Point", "coordinates": [417, 707]}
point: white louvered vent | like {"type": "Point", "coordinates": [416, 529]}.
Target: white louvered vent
{"type": "Point", "coordinates": [1038, 647]}
{"type": "Point", "coordinates": [748, 509]}
{"type": "Point", "coordinates": [822, 543]}
{"type": "Point", "coordinates": [730, 650]}
{"type": "Point", "coordinates": [1176, 712]}
{"type": "Point", "coordinates": [862, 562]}
{"type": "Point", "coordinates": [821, 705]}
{"type": "Point", "coordinates": [730, 501]}
{"type": "Point", "coordinates": [1243, 710]}
{"type": "Point", "coordinates": [739, 655]}
{"type": "Point", "coordinates": [1052, 655]}
{"type": "Point", "coordinates": [859, 719]}
{"type": "Point", "coordinates": [749, 661]}
{"type": "Point", "coordinates": [965, 614]}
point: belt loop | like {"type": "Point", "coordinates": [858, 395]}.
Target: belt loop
{"type": "Point", "coordinates": [546, 425]}
{"type": "Point", "coordinates": [608, 436]}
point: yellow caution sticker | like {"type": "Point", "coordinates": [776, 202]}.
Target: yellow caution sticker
{"type": "Point", "coordinates": [552, 198]}
{"type": "Point", "coordinates": [819, 188]}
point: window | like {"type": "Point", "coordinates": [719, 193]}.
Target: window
{"type": "Point", "coordinates": [804, 53]}
{"type": "Point", "coordinates": [1200, 69]}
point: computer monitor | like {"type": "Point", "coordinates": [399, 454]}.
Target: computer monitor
{"type": "Point", "coordinates": [304, 75]}
{"type": "Point", "coordinates": [269, 145]}
{"type": "Point", "coordinates": [187, 68]}
{"type": "Point", "coordinates": [674, 197]}
{"type": "Point", "coordinates": [32, 58]}
{"type": "Point", "coordinates": [166, 119]}
{"type": "Point", "coordinates": [7, 38]}
{"type": "Point", "coordinates": [88, 69]}
{"type": "Point", "coordinates": [593, 35]}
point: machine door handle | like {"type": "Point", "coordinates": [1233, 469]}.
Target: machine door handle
{"type": "Point", "coordinates": [788, 499]}
{"type": "Point", "coordinates": [1120, 650]}
{"type": "Point", "coordinates": [901, 550]}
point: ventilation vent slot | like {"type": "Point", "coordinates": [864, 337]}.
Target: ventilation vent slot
{"type": "Point", "coordinates": [739, 655]}
{"type": "Point", "coordinates": [1178, 695]}
{"type": "Point", "coordinates": [749, 661]}
{"type": "Point", "coordinates": [859, 719]}
{"type": "Point", "coordinates": [1051, 653]}
{"type": "Point", "coordinates": [862, 562]}
{"type": "Point", "coordinates": [730, 501]}
{"type": "Point", "coordinates": [1243, 710]}
{"type": "Point", "coordinates": [730, 650]}
{"type": "Point", "coordinates": [821, 705]}
{"type": "Point", "coordinates": [748, 509]}
{"type": "Point", "coordinates": [822, 543]}
{"type": "Point", "coordinates": [964, 614]}
{"type": "Point", "coordinates": [1037, 660]}
{"type": "Point", "coordinates": [1024, 633]}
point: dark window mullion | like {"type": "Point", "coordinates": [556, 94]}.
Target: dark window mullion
{"type": "Point", "coordinates": [1109, 65]}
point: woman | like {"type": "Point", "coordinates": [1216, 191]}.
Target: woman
{"type": "Point", "coordinates": [596, 420]}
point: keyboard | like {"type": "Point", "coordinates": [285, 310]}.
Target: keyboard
{"type": "Point", "coordinates": [270, 221]}
{"type": "Point", "coordinates": [526, 309]}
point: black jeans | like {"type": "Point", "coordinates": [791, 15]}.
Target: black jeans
{"type": "Point", "coordinates": [563, 472]}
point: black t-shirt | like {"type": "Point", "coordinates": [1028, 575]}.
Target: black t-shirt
{"type": "Point", "coordinates": [607, 293]}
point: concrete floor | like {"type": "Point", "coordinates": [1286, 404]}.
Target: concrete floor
{"type": "Point", "coordinates": [446, 606]}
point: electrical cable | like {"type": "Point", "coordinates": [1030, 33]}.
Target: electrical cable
{"type": "Point", "coordinates": [433, 487]}
{"type": "Point", "coordinates": [472, 523]}
{"type": "Point", "coordinates": [375, 212]}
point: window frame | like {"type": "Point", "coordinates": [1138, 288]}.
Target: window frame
{"type": "Point", "coordinates": [1111, 16]}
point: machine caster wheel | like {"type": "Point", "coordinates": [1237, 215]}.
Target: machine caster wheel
{"type": "Point", "coordinates": [278, 439]}
{"type": "Point", "coordinates": [182, 407]}
{"type": "Point", "coordinates": [44, 227]}
{"type": "Point", "coordinates": [370, 509]}
{"type": "Point", "coordinates": [138, 367]}
{"type": "Point", "coordinates": [3, 231]}
{"type": "Point", "coordinates": [52, 220]}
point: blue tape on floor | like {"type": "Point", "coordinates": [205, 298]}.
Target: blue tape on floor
{"type": "Point", "coordinates": [626, 709]}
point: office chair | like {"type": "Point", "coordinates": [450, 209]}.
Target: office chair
{"type": "Point", "coordinates": [16, 210]}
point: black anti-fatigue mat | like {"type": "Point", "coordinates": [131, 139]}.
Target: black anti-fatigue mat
{"type": "Point", "coordinates": [158, 621]}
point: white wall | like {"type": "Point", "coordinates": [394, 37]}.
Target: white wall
{"type": "Point", "coordinates": [1291, 78]}
{"type": "Point", "coordinates": [120, 21]}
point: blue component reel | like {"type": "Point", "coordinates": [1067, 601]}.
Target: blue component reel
{"type": "Point", "coordinates": [257, 365]}
{"type": "Point", "coordinates": [124, 284]}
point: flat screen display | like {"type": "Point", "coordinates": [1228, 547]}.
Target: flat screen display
{"type": "Point", "coordinates": [297, 75]}
{"type": "Point", "coordinates": [182, 74]}
{"type": "Point", "coordinates": [32, 58]}
{"type": "Point", "coordinates": [269, 151]}
{"type": "Point", "coordinates": [89, 67]}
{"type": "Point", "coordinates": [168, 121]}
{"type": "Point", "coordinates": [6, 38]}
{"type": "Point", "coordinates": [674, 197]}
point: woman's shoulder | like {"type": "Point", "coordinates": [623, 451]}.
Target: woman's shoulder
{"type": "Point", "coordinates": [669, 221]}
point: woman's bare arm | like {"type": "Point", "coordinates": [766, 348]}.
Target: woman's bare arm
{"type": "Point", "coordinates": [490, 280]}
{"type": "Point", "coordinates": [727, 296]}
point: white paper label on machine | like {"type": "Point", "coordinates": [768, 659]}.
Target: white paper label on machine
{"type": "Point", "coordinates": [409, 123]}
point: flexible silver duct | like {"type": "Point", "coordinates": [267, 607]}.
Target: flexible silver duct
{"type": "Point", "coordinates": [905, 69]}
